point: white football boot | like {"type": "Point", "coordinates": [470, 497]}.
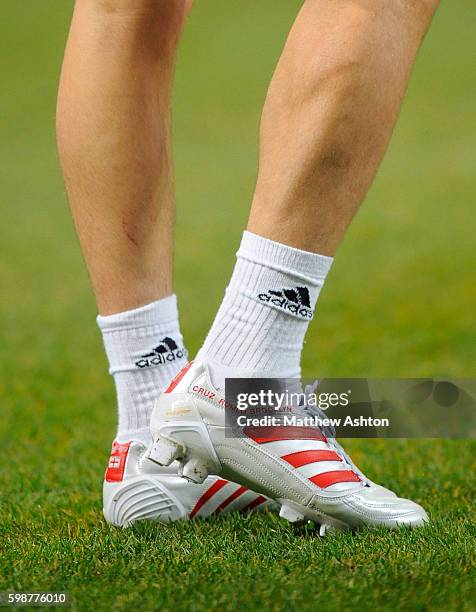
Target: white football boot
{"type": "Point", "coordinates": [308, 474]}
{"type": "Point", "coordinates": [136, 489]}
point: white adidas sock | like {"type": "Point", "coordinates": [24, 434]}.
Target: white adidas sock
{"type": "Point", "coordinates": [145, 351]}
{"type": "Point", "coordinates": [260, 327]}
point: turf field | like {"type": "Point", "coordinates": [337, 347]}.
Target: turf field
{"type": "Point", "coordinates": [400, 302]}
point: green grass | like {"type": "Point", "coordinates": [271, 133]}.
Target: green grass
{"type": "Point", "coordinates": [399, 302]}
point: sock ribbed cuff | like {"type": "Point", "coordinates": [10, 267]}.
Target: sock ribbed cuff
{"type": "Point", "coordinates": [310, 267]}
{"type": "Point", "coordinates": [159, 312]}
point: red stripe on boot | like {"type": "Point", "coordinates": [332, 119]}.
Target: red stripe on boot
{"type": "Point", "coordinates": [209, 493]}
{"type": "Point", "coordinates": [262, 435]}
{"type": "Point", "coordinates": [305, 457]}
{"type": "Point", "coordinates": [230, 499]}
{"type": "Point", "coordinates": [254, 504]}
{"type": "Point", "coordinates": [329, 478]}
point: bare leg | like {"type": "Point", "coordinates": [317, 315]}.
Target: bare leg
{"type": "Point", "coordinates": [113, 126]}
{"type": "Point", "coordinates": [327, 120]}
{"type": "Point", "coordinates": [329, 114]}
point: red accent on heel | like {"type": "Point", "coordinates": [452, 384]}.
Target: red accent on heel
{"type": "Point", "coordinates": [117, 462]}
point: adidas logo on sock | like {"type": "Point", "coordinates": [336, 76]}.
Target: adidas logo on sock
{"type": "Point", "coordinates": [296, 301]}
{"type": "Point", "coordinates": [166, 352]}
